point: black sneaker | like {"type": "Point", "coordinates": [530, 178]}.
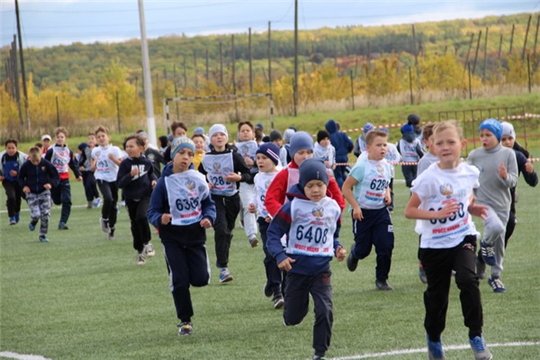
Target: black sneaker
{"type": "Point", "coordinates": [383, 285]}
{"type": "Point", "coordinates": [278, 300]}
{"type": "Point", "coordinates": [268, 290]}
{"type": "Point", "coordinates": [185, 329]}
{"type": "Point", "coordinates": [111, 234]}
{"type": "Point", "coordinates": [352, 262]}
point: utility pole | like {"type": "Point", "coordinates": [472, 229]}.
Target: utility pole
{"type": "Point", "coordinates": [295, 85]}
{"type": "Point", "coordinates": [23, 73]}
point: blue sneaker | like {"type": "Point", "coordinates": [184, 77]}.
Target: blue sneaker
{"type": "Point", "coordinates": [63, 226]}
{"type": "Point", "coordinates": [488, 254]}
{"type": "Point", "coordinates": [17, 217]}
{"type": "Point", "coordinates": [496, 284]}
{"type": "Point", "coordinates": [43, 238]}
{"type": "Point", "coordinates": [97, 202]}
{"type": "Point", "coordinates": [435, 350]}
{"type": "Point", "coordinates": [479, 348]}
{"type": "Point", "coordinates": [32, 225]}
{"type": "Point", "coordinates": [224, 275]}
{"type": "Point", "coordinates": [12, 220]}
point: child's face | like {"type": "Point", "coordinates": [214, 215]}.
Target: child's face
{"type": "Point", "coordinates": [246, 133]}
{"type": "Point", "coordinates": [219, 140]}
{"type": "Point", "coordinates": [265, 164]}
{"type": "Point", "coordinates": [489, 141]}
{"type": "Point", "coordinates": [102, 138]}
{"type": "Point", "coordinates": [448, 146]}
{"type": "Point", "coordinates": [91, 140]}
{"type": "Point", "coordinates": [133, 149]}
{"type": "Point", "coordinates": [35, 158]}
{"type": "Point", "coordinates": [179, 132]}
{"type": "Point", "coordinates": [46, 143]}
{"type": "Point", "coordinates": [428, 142]}
{"type": "Point", "coordinates": [325, 142]}
{"type": "Point", "coordinates": [302, 155]}
{"type": "Point", "coordinates": [60, 138]}
{"type": "Point", "coordinates": [315, 190]}
{"type": "Point", "coordinates": [278, 142]}
{"type": "Point", "coordinates": [183, 159]}
{"type": "Point", "coordinates": [377, 149]}
{"type": "Point", "coordinates": [199, 143]}
{"type": "Point", "coordinates": [11, 149]}
{"type": "Point", "coordinates": [508, 141]}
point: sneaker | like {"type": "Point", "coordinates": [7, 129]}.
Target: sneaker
{"type": "Point", "coordinates": [185, 329]}
{"type": "Point", "coordinates": [43, 238]}
{"type": "Point", "coordinates": [17, 217]}
{"type": "Point", "coordinates": [111, 234]}
{"type": "Point", "coordinates": [253, 241]}
{"type": "Point", "coordinates": [488, 254]}
{"type": "Point", "coordinates": [12, 220]}
{"type": "Point", "coordinates": [422, 274]}
{"type": "Point", "coordinates": [224, 275]}
{"type": "Point", "coordinates": [32, 225]}
{"type": "Point", "coordinates": [149, 250]}
{"type": "Point", "coordinates": [435, 350]}
{"type": "Point", "coordinates": [105, 225]}
{"type": "Point", "coordinates": [62, 226]}
{"type": "Point", "coordinates": [89, 205]}
{"type": "Point", "coordinates": [383, 285]}
{"type": "Point", "coordinates": [96, 202]}
{"type": "Point", "coordinates": [480, 269]}
{"type": "Point", "coordinates": [352, 262]}
{"type": "Point", "coordinates": [278, 300]}
{"type": "Point", "coordinates": [267, 290]}
{"type": "Point", "coordinates": [480, 350]}
{"type": "Point", "coordinates": [141, 259]}
{"type": "Point", "coordinates": [319, 357]}
{"type": "Point", "coordinates": [496, 284]}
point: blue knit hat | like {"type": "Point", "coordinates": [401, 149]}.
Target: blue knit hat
{"type": "Point", "coordinates": [198, 130]}
{"type": "Point", "coordinates": [299, 141]}
{"type": "Point", "coordinates": [270, 150]}
{"type": "Point", "coordinates": [312, 169]}
{"type": "Point", "coordinates": [287, 135]}
{"type": "Point", "coordinates": [494, 126]}
{"type": "Point", "coordinates": [407, 128]}
{"type": "Point", "coordinates": [368, 127]}
{"type": "Point", "coordinates": [179, 143]}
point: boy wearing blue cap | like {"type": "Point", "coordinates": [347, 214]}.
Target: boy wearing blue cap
{"type": "Point", "coordinates": [410, 148]}
{"type": "Point", "coordinates": [498, 174]}
{"type": "Point", "coordinates": [310, 219]}
{"type": "Point", "coordinates": [182, 209]}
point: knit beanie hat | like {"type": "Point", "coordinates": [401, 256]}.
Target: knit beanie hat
{"type": "Point", "coordinates": [413, 119]}
{"type": "Point", "coordinates": [299, 141]}
{"type": "Point", "coordinates": [275, 135]}
{"type": "Point", "coordinates": [179, 143]}
{"type": "Point", "coordinates": [312, 169]}
{"type": "Point", "coordinates": [198, 130]}
{"type": "Point", "coordinates": [368, 127]}
{"type": "Point", "coordinates": [322, 134]}
{"type": "Point", "coordinates": [218, 128]}
{"type": "Point", "coordinates": [287, 135]}
{"type": "Point", "coordinates": [508, 130]}
{"type": "Point", "coordinates": [260, 126]}
{"type": "Point", "coordinates": [494, 126]}
{"type": "Point", "coordinates": [407, 128]}
{"type": "Point", "coordinates": [270, 150]}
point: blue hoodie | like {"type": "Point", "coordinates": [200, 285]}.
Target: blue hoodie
{"type": "Point", "coordinates": [187, 235]}
{"type": "Point", "coordinates": [341, 142]}
{"type": "Point", "coordinates": [281, 225]}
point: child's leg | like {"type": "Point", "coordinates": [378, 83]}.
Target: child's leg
{"type": "Point", "coordinates": [9, 188]}
{"type": "Point", "coordinates": [296, 299]}
{"type": "Point", "coordinates": [33, 204]}
{"type": "Point", "coordinates": [438, 265]}
{"type": "Point", "coordinates": [44, 200]}
{"type": "Point", "coordinates": [136, 224]}
{"type": "Point", "coordinates": [65, 194]}
{"type": "Point", "coordinates": [321, 291]}
{"type": "Point", "coordinates": [222, 234]}
{"type": "Point", "coordinates": [250, 220]}
{"type": "Point", "coordinates": [106, 193]}
{"type": "Point", "coordinates": [113, 212]}
{"type": "Point", "coordinates": [498, 246]}
{"type": "Point", "coordinates": [362, 238]}
{"type": "Point", "coordinates": [493, 227]}
{"type": "Point", "coordinates": [468, 284]}
{"type": "Point", "coordinates": [273, 273]}
{"type": "Point", "coordinates": [383, 240]}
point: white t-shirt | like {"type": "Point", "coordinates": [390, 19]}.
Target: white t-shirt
{"type": "Point", "coordinates": [106, 169]}
{"type": "Point", "coordinates": [262, 181]}
{"type": "Point", "coordinates": [436, 187]}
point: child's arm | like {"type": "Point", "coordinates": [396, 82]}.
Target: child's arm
{"type": "Point", "coordinates": [509, 172]}
{"type": "Point", "coordinates": [157, 202]}
{"type": "Point", "coordinates": [54, 177]}
{"type": "Point", "coordinates": [412, 210]}
{"type": "Point", "coordinates": [477, 210]}
{"type": "Point", "coordinates": [125, 174]}
{"type": "Point", "coordinates": [347, 189]}
{"type": "Point", "coordinates": [241, 173]}
{"type": "Point", "coordinates": [279, 226]}
{"type": "Point", "coordinates": [74, 166]}
{"type": "Point", "coordinates": [208, 211]}
{"type": "Point", "coordinates": [335, 193]}
{"type": "Point", "coordinates": [275, 195]}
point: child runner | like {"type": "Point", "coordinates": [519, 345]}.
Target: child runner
{"type": "Point", "coordinates": [267, 161]}
{"type": "Point", "coordinates": [410, 148]}
{"type": "Point", "coordinates": [224, 169]}
{"type": "Point", "coordinates": [200, 149]}
{"type": "Point", "coordinates": [182, 208]}
{"type": "Point", "coordinates": [105, 161]}
{"type": "Point", "coordinates": [178, 129]}
{"type": "Point", "coordinates": [11, 161]}
{"type": "Point", "coordinates": [372, 225]}
{"type": "Point", "coordinates": [136, 177]}
{"type": "Point", "coordinates": [89, 181]}
{"type": "Point", "coordinates": [498, 174]}
{"type": "Point", "coordinates": [323, 150]}
{"type": "Point", "coordinates": [310, 220]}
{"type": "Point", "coordinates": [442, 201]}
{"type": "Point", "coordinates": [63, 159]}
{"type": "Point", "coordinates": [247, 147]}
{"type": "Point", "coordinates": [36, 179]}
{"type": "Point", "coordinates": [45, 144]}
{"type": "Point", "coordinates": [524, 167]}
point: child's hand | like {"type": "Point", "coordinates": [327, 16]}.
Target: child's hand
{"type": "Point", "coordinates": [46, 187]}
{"type": "Point", "coordinates": [233, 177]}
{"type": "Point", "coordinates": [529, 167]}
{"type": "Point", "coordinates": [341, 253]}
{"type": "Point", "coordinates": [448, 210]}
{"type": "Point", "coordinates": [327, 163]}
{"type": "Point", "coordinates": [206, 223]}
{"type": "Point", "coordinates": [13, 173]}
{"type": "Point", "coordinates": [387, 199]}
{"type": "Point", "coordinates": [166, 218]}
{"type": "Point", "coordinates": [211, 186]}
{"type": "Point", "coordinates": [153, 183]}
{"type": "Point", "coordinates": [268, 219]}
{"type": "Point", "coordinates": [112, 157]}
{"type": "Point", "coordinates": [2, 178]}
{"type": "Point", "coordinates": [252, 209]}
{"type": "Point", "coordinates": [357, 213]}
{"type": "Point", "coordinates": [26, 189]}
{"type": "Point", "coordinates": [477, 210]}
{"type": "Point", "coordinates": [249, 161]}
{"type": "Point", "coordinates": [502, 171]}
{"type": "Point", "coordinates": [79, 178]}
{"type": "Point", "coordinates": [286, 264]}
{"type": "Point", "coordinates": [134, 171]}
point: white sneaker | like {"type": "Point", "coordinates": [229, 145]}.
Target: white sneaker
{"type": "Point", "coordinates": [149, 250]}
{"type": "Point", "coordinates": [140, 259]}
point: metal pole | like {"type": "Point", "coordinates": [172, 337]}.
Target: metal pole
{"type": "Point", "coordinates": [295, 83]}
{"type": "Point", "coordinates": [23, 72]}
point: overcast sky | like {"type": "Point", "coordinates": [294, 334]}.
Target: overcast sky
{"type": "Point", "coordinates": [47, 23]}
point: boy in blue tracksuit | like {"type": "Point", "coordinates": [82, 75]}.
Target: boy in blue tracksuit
{"type": "Point", "coordinates": [343, 145]}
{"type": "Point", "coordinates": [310, 221]}
{"type": "Point", "coordinates": [182, 209]}
{"type": "Point", "coordinates": [10, 162]}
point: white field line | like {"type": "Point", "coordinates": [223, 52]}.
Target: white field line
{"type": "Point", "coordinates": [424, 350]}
{"type": "Point", "coordinates": [12, 355]}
